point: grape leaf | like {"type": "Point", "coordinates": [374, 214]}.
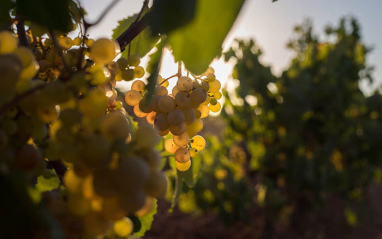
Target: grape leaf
{"type": "Point", "coordinates": [147, 220]}
{"type": "Point", "coordinates": [142, 44]}
{"type": "Point", "coordinates": [47, 183]}
{"type": "Point", "coordinates": [53, 15]}
{"type": "Point", "coordinates": [5, 8]}
{"type": "Point", "coordinates": [164, 12]}
{"type": "Point", "coordinates": [197, 43]}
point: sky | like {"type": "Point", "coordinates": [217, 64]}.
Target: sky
{"type": "Point", "coordinates": [270, 24]}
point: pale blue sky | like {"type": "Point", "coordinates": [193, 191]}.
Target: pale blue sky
{"type": "Point", "coordinates": [271, 24]}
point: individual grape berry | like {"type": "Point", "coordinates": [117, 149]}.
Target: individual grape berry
{"type": "Point", "coordinates": [133, 97]}
{"type": "Point", "coordinates": [127, 75]}
{"type": "Point", "coordinates": [166, 103]}
{"type": "Point", "coordinates": [156, 185]}
{"type": "Point", "coordinates": [139, 85]}
{"type": "Point", "coordinates": [183, 166]}
{"type": "Point", "coordinates": [182, 100]}
{"type": "Point", "coordinates": [178, 130]}
{"type": "Point", "coordinates": [193, 152]}
{"type": "Point", "coordinates": [214, 86]}
{"type": "Point", "coordinates": [123, 227]}
{"type": "Point", "coordinates": [138, 112]}
{"type": "Point", "coordinates": [161, 90]}
{"type": "Point", "coordinates": [204, 110]}
{"type": "Point", "coordinates": [215, 108]}
{"type": "Point", "coordinates": [104, 50]}
{"type": "Point", "coordinates": [205, 86]}
{"type": "Point", "coordinates": [184, 83]}
{"type": "Point", "coordinates": [77, 41]}
{"type": "Point", "coordinates": [8, 42]}
{"type": "Point", "coordinates": [218, 95]}
{"type": "Point", "coordinates": [197, 97]}
{"type": "Point", "coordinates": [198, 142]}
{"type": "Point", "coordinates": [213, 101]}
{"type": "Point", "coordinates": [182, 140]}
{"type": "Point", "coordinates": [146, 137]}
{"type": "Point", "coordinates": [65, 42]}
{"type": "Point", "coordinates": [139, 72]}
{"type": "Point", "coordinates": [122, 63]}
{"type": "Point", "coordinates": [170, 146]}
{"type": "Point", "coordinates": [161, 122]}
{"type": "Point", "coordinates": [150, 118]}
{"type": "Point", "coordinates": [133, 60]}
{"type": "Point", "coordinates": [175, 117]}
{"type": "Point", "coordinates": [174, 91]}
{"type": "Point", "coordinates": [182, 155]}
{"type": "Point", "coordinates": [211, 77]}
{"type": "Point", "coordinates": [189, 115]}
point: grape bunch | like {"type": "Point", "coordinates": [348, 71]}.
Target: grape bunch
{"type": "Point", "coordinates": [58, 105]}
{"type": "Point", "coordinates": [178, 113]}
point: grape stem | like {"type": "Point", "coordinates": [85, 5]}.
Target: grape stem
{"type": "Point", "coordinates": [22, 33]}
{"type": "Point", "coordinates": [59, 50]}
{"type": "Point", "coordinates": [176, 75]}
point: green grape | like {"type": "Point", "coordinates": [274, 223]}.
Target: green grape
{"type": "Point", "coordinates": [113, 66]}
{"type": "Point", "coordinates": [161, 122]}
{"type": "Point", "coordinates": [26, 56]}
{"type": "Point", "coordinates": [214, 86]}
{"type": "Point", "coordinates": [209, 70]}
{"type": "Point", "coordinates": [65, 42]}
{"type": "Point", "coordinates": [218, 95]}
{"type": "Point", "coordinates": [163, 132]}
{"type": "Point", "coordinates": [178, 130]}
{"type": "Point", "coordinates": [146, 137]}
{"type": "Point", "coordinates": [205, 86]}
{"type": "Point", "coordinates": [39, 132]}
{"type": "Point", "coordinates": [123, 227]}
{"type": "Point", "coordinates": [166, 103]}
{"type": "Point", "coordinates": [94, 103]}
{"type": "Point", "coordinates": [8, 42]}
{"type": "Point", "coordinates": [161, 90]}
{"type": "Point", "coordinates": [111, 95]}
{"type": "Point", "coordinates": [94, 149]}
{"type": "Point", "coordinates": [70, 117]}
{"type": "Point", "coordinates": [170, 146]}
{"type": "Point", "coordinates": [215, 108]}
{"type": "Point", "coordinates": [193, 152]}
{"type": "Point", "coordinates": [182, 155]}
{"type": "Point", "coordinates": [132, 201]}
{"type": "Point", "coordinates": [152, 157]}
{"type": "Point", "coordinates": [213, 101]}
{"type": "Point", "coordinates": [139, 72]}
{"type": "Point", "coordinates": [115, 126]}
{"type": "Point", "coordinates": [27, 157]}
{"type": "Point", "coordinates": [196, 84]}
{"type": "Point", "coordinates": [198, 142]}
{"type": "Point", "coordinates": [150, 118]}
{"type": "Point", "coordinates": [174, 91]}
{"type": "Point", "coordinates": [183, 166]}
{"type": "Point", "coordinates": [104, 183]}
{"type": "Point", "coordinates": [189, 115]}
{"type": "Point", "coordinates": [182, 100]}
{"type": "Point", "coordinates": [138, 112]}
{"type": "Point", "coordinates": [133, 60]}
{"type": "Point", "coordinates": [129, 170]}
{"type": "Point", "coordinates": [139, 85]}
{"type": "Point", "coordinates": [118, 105]}
{"type": "Point", "coordinates": [122, 63]}
{"type": "Point", "coordinates": [156, 185]}
{"type": "Point", "coordinates": [155, 104]}
{"type": "Point", "coordinates": [77, 41]}
{"type": "Point", "coordinates": [127, 75]}
{"type": "Point", "coordinates": [95, 224]}
{"type": "Point", "coordinates": [103, 50]}
{"type": "Point", "coordinates": [29, 71]}
{"type": "Point", "coordinates": [133, 97]}
{"type": "Point", "coordinates": [184, 83]}
{"type": "Point", "coordinates": [175, 117]}
{"type": "Point", "coordinates": [48, 113]}
{"type": "Point", "coordinates": [10, 68]}
{"type": "Point", "coordinates": [146, 104]}
{"type": "Point", "coordinates": [111, 209]}
{"type": "Point", "coordinates": [194, 128]}
{"type": "Point", "coordinates": [44, 66]}
{"type": "Point", "coordinates": [211, 77]}
{"type": "Point", "coordinates": [197, 97]}
{"type": "Point", "coordinates": [182, 140]}
{"type": "Point", "coordinates": [204, 110]}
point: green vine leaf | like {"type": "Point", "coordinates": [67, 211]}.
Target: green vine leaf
{"type": "Point", "coordinates": [47, 183]}
{"type": "Point", "coordinates": [147, 220]}
{"type": "Point", "coordinates": [142, 44]}
{"type": "Point", "coordinates": [198, 43]}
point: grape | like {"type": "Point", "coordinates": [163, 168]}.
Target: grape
{"type": "Point", "coordinates": [214, 86]}
{"type": "Point", "coordinates": [65, 42]}
{"type": "Point", "coordinates": [139, 72]}
{"type": "Point", "coordinates": [146, 105]}
{"type": "Point", "coordinates": [198, 142]}
{"type": "Point", "coordinates": [115, 126]}
{"type": "Point", "coordinates": [96, 224]}
{"type": "Point", "coordinates": [166, 103]}
{"type": "Point", "coordinates": [132, 201]}
{"type": "Point", "coordinates": [175, 91]}
{"type": "Point", "coordinates": [170, 146]}
{"type": "Point", "coordinates": [205, 86]}
{"type": "Point", "coordinates": [215, 108]}
{"type": "Point", "coordinates": [218, 95]}
{"type": "Point", "coordinates": [213, 101]}
{"type": "Point", "coordinates": [29, 71]}
{"type": "Point", "coordinates": [138, 112]}
{"type": "Point", "coordinates": [111, 208]}
{"type": "Point", "coordinates": [211, 77]}
{"type": "Point", "coordinates": [152, 157]}
{"type": "Point", "coordinates": [207, 101]}
{"type": "Point", "coordinates": [182, 140]}
{"type": "Point", "coordinates": [184, 83]}
{"type": "Point", "coordinates": [209, 70]}
{"type": "Point", "coordinates": [175, 117]}
{"type": "Point", "coordinates": [161, 90]}
{"type": "Point", "coordinates": [178, 130]}
{"type": "Point", "coordinates": [8, 42]}
{"type": "Point", "coordinates": [123, 227]}
{"type": "Point", "coordinates": [77, 41]}
{"type": "Point", "coordinates": [94, 103]}
{"type": "Point", "coordinates": [77, 205]}
{"type": "Point", "coordinates": [182, 100]}
{"type": "Point", "coordinates": [204, 110]}
{"type": "Point", "coordinates": [182, 155]}
{"type": "Point", "coordinates": [48, 113]}
{"type": "Point", "coordinates": [197, 97]}
{"type": "Point", "coordinates": [127, 75]}
{"type": "Point", "coordinates": [150, 118]}
{"type": "Point", "coordinates": [163, 132]}
{"type": "Point", "coordinates": [104, 50]}
{"type": "Point", "coordinates": [156, 185]}
{"type": "Point", "coordinates": [133, 60]}
{"type": "Point", "coordinates": [193, 152]}
{"type": "Point", "coordinates": [133, 97]}
{"type": "Point", "coordinates": [183, 166]}
{"type": "Point", "coordinates": [94, 149]}
{"type": "Point", "coordinates": [194, 128]}
{"type": "Point", "coordinates": [146, 137]}
{"type": "Point", "coordinates": [189, 115]}
{"type": "Point", "coordinates": [104, 183]}
{"type": "Point", "coordinates": [72, 182]}
{"type": "Point", "coordinates": [161, 122]}
{"type": "Point", "coordinates": [122, 63]}
{"type": "Point", "coordinates": [139, 85]}
{"type": "Point", "coordinates": [27, 157]}
{"type": "Point", "coordinates": [26, 56]}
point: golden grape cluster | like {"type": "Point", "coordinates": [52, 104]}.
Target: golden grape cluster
{"type": "Point", "coordinates": [58, 104]}
{"type": "Point", "coordinates": [178, 113]}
